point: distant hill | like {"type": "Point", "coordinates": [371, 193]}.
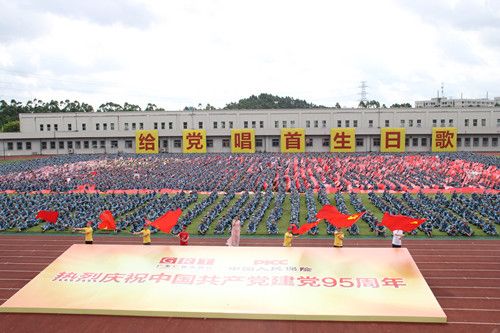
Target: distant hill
{"type": "Point", "coordinates": [268, 101]}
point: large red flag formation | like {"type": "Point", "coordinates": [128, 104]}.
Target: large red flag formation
{"type": "Point", "coordinates": [336, 218]}
{"type": "Point", "coordinates": [401, 222]}
{"type": "Point", "coordinates": [107, 221]}
{"type": "Point", "coordinates": [48, 216]}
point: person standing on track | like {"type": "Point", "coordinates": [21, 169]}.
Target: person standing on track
{"type": "Point", "coordinates": [397, 236]}
{"type": "Point", "coordinates": [88, 231]}
{"type": "Point", "coordinates": [183, 236]}
{"type": "Point", "coordinates": [338, 238]}
{"type": "Point", "coordinates": [145, 233]}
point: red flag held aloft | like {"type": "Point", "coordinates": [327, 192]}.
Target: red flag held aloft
{"type": "Point", "coordinates": [401, 222]}
{"type": "Point", "coordinates": [306, 227]}
{"type": "Point", "coordinates": [336, 218]}
{"type": "Point", "coordinates": [107, 221]}
{"type": "Point", "coordinates": [48, 215]}
{"type": "Point", "coordinates": [166, 222]}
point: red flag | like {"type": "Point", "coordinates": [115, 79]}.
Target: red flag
{"type": "Point", "coordinates": [401, 222]}
{"type": "Point", "coordinates": [306, 227]}
{"type": "Point", "coordinates": [48, 215]}
{"type": "Point", "coordinates": [336, 218]}
{"type": "Point", "coordinates": [107, 221]}
{"type": "Point", "coordinates": [166, 222]}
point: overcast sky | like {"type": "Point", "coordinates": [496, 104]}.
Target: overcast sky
{"type": "Point", "coordinates": [179, 53]}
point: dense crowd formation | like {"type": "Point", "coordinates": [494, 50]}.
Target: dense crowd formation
{"type": "Point", "coordinates": [256, 172]}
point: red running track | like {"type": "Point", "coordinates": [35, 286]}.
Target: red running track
{"type": "Point", "coordinates": [464, 275]}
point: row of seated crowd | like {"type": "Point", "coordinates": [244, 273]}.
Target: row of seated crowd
{"type": "Point", "coordinates": [253, 172]}
{"type": "Point", "coordinates": [452, 216]}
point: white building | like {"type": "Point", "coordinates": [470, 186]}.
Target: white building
{"type": "Point", "coordinates": [444, 102]}
{"type": "Point", "coordinates": [110, 133]}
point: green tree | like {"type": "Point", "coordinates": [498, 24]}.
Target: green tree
{"type": "Point", "coordinates": [268, 101]}
{"type": "Point", "coordinates": [11, 126]}
{"type": "Point", "coordinates": [337, 106]}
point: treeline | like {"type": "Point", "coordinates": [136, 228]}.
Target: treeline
{"type": "Point", "coordinates": [268, 101]}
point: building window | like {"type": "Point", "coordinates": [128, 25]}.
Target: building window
{"type": "Point", "coordinates": [86, 144]}
{"type": "Point", "coordinates": [325, 142]}
{"type": "Point", "coordinates": [44, 145]}
{"type": "Point", "coordinates": [292, 123]}
{"type": "Point", "coordinates": [261, 124]}
{"type": "Point", "coordinates": [70, 144]}
{"type": "Point", "coordinates": [28, 145]}
{"type": "Point", "coordinates": [494, 142]}
{"type": "Point", "coordinates": [10, 145]}
{"type": "Point", "coordinates": [354, 123]}
{"type": "Point", "coordinates": [245, 124]}
{"type": "Point", "coordinates": [475, 142]}
{"type": "Point", "coordinates": [222, 124]}
{"type": "Point", "coordinates": [125, 126]}
{"type": "Point", "coordinates": [210, 143]}
{"type": "Point", "coordinates": [284, 122]}
{"type": "Point", "coordinates": [339, 123]}
{"type": "Point", "coordinates": [466, 122]}
{"type": "Point", "coordinates": [467, 142]}
{"type": "Point", "coordinates": [225, 143]}
{"type": "Point", "coordinates": [403, 123]}
{"type": "Point", "coordinates": [48, 127]}
{"type": "Point", "coordinates": [41, 127]}
{"type": "Point", "coordinates": [177, 143]}
{"type": "Point", "coordinates": [56, 127]}
{"type": "Point", "coordinates": [112, 126]}
{"type": "Point", "coordinates": [114, 144]}
{"type": "Point", "coordinates": [483, 122]}
{"type": "Point", "coordinates": [185, 125]}
{"type": "Point", "coordinates": [78, 145]}
{"type": "Point", "coordinates": [347, 123]}
{"type": "Point", "coordinates": [19, 145]}
{"type": "Point", "coordinates": [407, 141]}
{"type": "Point", "coordinates": [419, 123]}
{"type": "Point", "coordinates": [163, 125]}
{"type": "Point", "coordinates": [316, 124]}
{"type": "Point", "coordinates": [434, 122]}
{"type": "Point", "coordinates": [275, 142]}
{"type": "Point", "coordinates": [97, 126]}
{"type": "Point", "coordinates": [200, 125]}
{"type": "Point", "coordinates": [450, 122]}
{"type": "Point", "coordinates": [376, 142]}
{"type": "Point", "coordinates": [254, 124]}
{"type": "Point", "coordinates": [308, 123]}
{"type": "Point", "coordinates": [258, 142]}
{"type": "Point", "coordinates": [165, 144]}
{"type": "Point", "coordinates": [485, 142]}
{"type": "Point", "coordinates": [141, 126]}
{"type": "Point", "coordinates": [423, 142]}
{"type": "Point", "coordinates": [155, 126]}
{"type": "Point", "coordinates": [410, 123]}
{"type": "Point", "coordinates": [134, 127]}
{"type": "Point", "coordinates": [70, 127]}
{"type": "Point", "coordinates": [170, 125]}
{"type": "Point", "coordinates": [359, 142]}
{"type": "Point", "coordinates": [498, 122]}
{"type": "Point", "coordinates": [459, 142]}
{"type": "Point", "coordinates": [128, 143]}
{"type": "Point", "coordinates": [276, 124]}
{"type": "Point", "coordinates": [215, 125]}
{"type": "Point", "coordinates": [474, 122]}
{"type": "Point", "coordinates": [370, 123]}
{"type": "Point", "coordinates": [102, 144]}
{"type": "Point", "coordinates": [387, 124]}
{"type": "Point", "coordinates": [105, 126]}
{"type": "Point", "coordinates": [323, 123]}
{"type": "Point", "coordinates": [84, 127]}
{"type": "Point", "coordinates": [309, 142]}
{"type": "Point", "coordinates": [52, 145]}
{"type": "Point", "coordinates": [230, 124]}
{"type": "Point", "coordinates": [94, 144]}
{"type": "Point", "coordinates": [443, 122]}
{"type": "Point", "coordinates": [415, 142]}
